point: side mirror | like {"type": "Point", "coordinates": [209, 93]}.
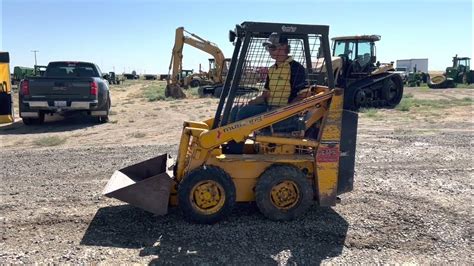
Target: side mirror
{"type": "Point", "coordinates": [232, 36]}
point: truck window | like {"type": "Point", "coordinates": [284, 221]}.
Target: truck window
{"type": "Point", "coordinates": [71, 69]}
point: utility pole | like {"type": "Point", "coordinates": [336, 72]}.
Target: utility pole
{"type": "Point", "coordinates": [34, 69]}
{"type": "Point", "coordinates": [35, 51]}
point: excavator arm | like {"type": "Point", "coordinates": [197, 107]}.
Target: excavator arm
{"type": "Point", "coordinates": [193, 40]}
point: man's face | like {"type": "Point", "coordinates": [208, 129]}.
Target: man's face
{"type": "Point", "coordinates": [278, 52]}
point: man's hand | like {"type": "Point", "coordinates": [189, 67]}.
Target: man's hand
{"type": "Point", "coordinates": [261, 99]}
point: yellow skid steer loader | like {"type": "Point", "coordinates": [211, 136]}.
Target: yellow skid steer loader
{"type": "Point", "coordinates": [291, 155]}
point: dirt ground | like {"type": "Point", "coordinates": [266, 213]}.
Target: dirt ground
{"type": "Point", "coordinates": [412, 198]}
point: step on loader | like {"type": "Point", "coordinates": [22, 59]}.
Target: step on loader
{"type": "Point", "coordinates": [291, 156]}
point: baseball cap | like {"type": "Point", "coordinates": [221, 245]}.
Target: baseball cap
{"type": "Point", "coordinates": [275, 39]}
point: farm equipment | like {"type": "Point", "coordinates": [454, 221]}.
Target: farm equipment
{"type": "Point", "coordinates": [6, 101]}
{"type": "Point", "coordinates": [20, 73]}
{"type": "Point", "coordinates": [367, 83]}
{"type": "Point", "coordinates": [39, 70]}
{"type": "Point", "coordinates": [150, 77]}
{"type": "Point", "coordinates": [176, 81]}
{"type": "Point", "coordinates": [293, 155]}
{"type": "Point", "coordinates": [460, 72]}
{"type": "Point", "coordinates": [113, 78]}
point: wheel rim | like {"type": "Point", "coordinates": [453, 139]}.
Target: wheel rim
{"type": "Point", "coordinates": [285, 195]}
{"type": "Point", "coordinates": [437, 79]}
{"type": "Point", "coordinates": [207, 197]}
{"type": "Point", "coordinates": [393, 92]}
{"type": "Point", "coordinates": [359, 98]}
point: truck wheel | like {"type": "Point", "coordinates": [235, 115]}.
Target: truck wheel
{"type": "Point", "coordinates": [27, 121]}
{"type": "Point", "coordinates": [283, 193]}
{"type": "Point", "coordinates": [105, 118]}
{"type": "Point", "coordinates": [206, 195]}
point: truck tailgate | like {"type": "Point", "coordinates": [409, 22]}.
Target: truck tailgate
{"type": "Point", "coordinates": [55, 88]}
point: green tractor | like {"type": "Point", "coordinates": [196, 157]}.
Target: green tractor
{"type": "Point", "coordinates": [460, 72]}
{"type": "Point", "coordinates": [20, 73]}
{"type": "Point", "coordinates": [415, 78]}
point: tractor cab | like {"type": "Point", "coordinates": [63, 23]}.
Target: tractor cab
{"type": "Point", "coordinates": [459, 72]}
{"type": "Point", "coordinates": [357, 52]}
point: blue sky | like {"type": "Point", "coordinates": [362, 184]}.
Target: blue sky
{"type": "Point", "coordinates": [128, 35]}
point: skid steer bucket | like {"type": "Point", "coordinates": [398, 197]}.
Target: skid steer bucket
{"type": "Point", "coordinates": [146, 185]}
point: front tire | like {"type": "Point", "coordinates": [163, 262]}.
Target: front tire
{"type": "Point", "coordinates": [283, 193]}
{"type": "Point", "coordinates": [206, 195]}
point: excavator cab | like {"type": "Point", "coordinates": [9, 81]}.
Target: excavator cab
{"type": "Point", "coordinates": [285, 172]}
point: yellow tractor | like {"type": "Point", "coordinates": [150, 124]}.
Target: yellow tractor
{"type": "Point", "coordinates": [293, 156]}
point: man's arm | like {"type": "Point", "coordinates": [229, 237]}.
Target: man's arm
{"type": "Point", "coordinates": [297, 79]}
{"type": "Point", "coordinates": [260, 99]}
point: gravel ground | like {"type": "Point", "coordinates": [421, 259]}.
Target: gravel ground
{"type": "Point", "coordinates": [412, 203]}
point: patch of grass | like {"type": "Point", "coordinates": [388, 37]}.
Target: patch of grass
{"type": "Point", "coordinates": [465, 86]}
{"type": "Point", "coordinates": [192, 92]}
{"type": "Point", "coordinates": [137, 135]}
{"type": "Point", "coordinates": [369, 112]}
{"type": "Point", "coordinates": [408, 104]}
{"type": "Point", "coordinates": [49, 141]}
{"type": "Point", "coordinates": [408, 95]}
{"type": "Point", "coordinates": [154, 92]}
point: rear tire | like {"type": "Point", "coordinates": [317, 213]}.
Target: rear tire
{"type": "Point", "coordinates": [438, 82]}
{"type": "Point", "coordinates": [206, 195]}
{"type": "Point", "coordinates": [27, 121]}
{"type": "Point", "coordinates": [105, 118]}
{"type": "Point", "coordinates": [283, 193]}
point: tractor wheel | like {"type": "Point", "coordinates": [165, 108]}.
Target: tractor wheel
{"type": "Point", "coordinates": [437, 82]}
{"type": "Point", "coordinates": [206, 195]}
{"type": "Point", "coordinates": [283, 193]}
{"type": "Point", "coordinates": [218, 91]}
{"type": "Point", "coordinates": [194, 83]}
{"type": "Point", "coordinates": [395, 93]}
{"type": "Point", "coordinates": [355, 99]}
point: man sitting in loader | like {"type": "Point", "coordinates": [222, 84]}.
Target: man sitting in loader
{"type": "Point", "coordinates": [284, 80]}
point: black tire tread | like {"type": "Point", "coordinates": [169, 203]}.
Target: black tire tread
{"type": "Point", "coordinates": [200, 174]}
{"type": "Point", "coordinates": [269, 178]}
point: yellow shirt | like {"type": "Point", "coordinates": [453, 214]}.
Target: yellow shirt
{"type": "Point", "coordinates": [279, 83]}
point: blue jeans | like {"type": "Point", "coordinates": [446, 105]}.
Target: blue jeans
{"type": "Point", "coordinates": [241, 112]}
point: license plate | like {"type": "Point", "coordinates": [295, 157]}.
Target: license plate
{"type": "Point", "coordinates": [60, 103]}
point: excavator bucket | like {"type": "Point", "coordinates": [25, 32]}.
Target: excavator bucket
{"type": "Point", "coordinates": [146, 185]}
